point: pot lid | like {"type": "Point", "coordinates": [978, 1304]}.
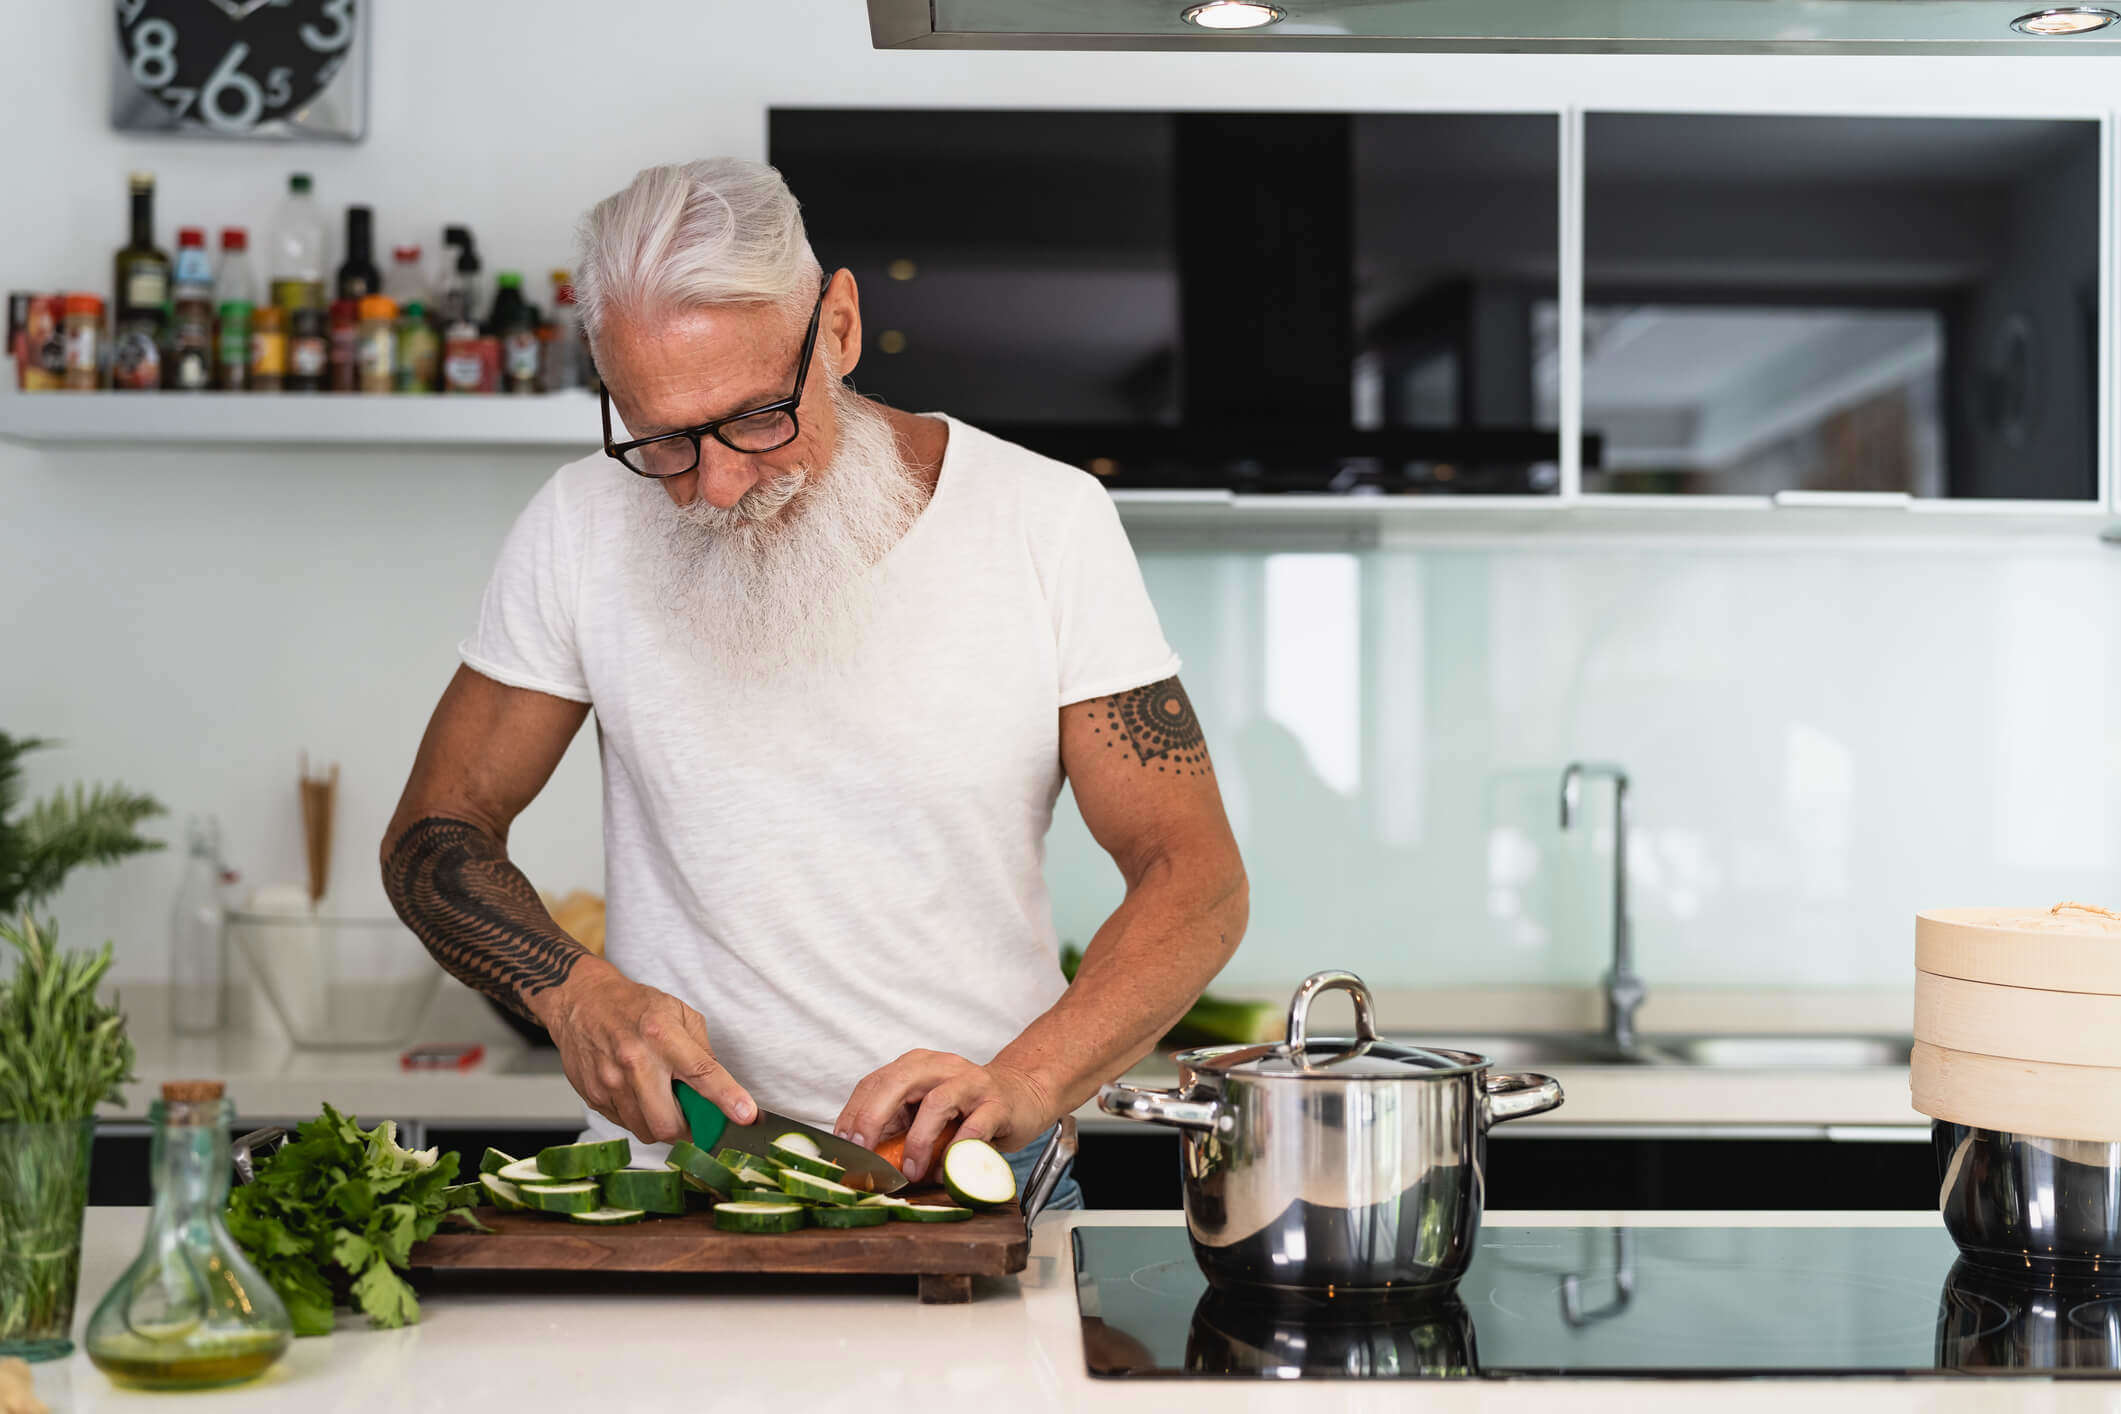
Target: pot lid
{"type": "Point", "coordinates": [1338, 1057]}
{"type": "Point", "coordinates": [1366, 1056]}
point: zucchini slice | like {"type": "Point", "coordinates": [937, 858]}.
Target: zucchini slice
{"type": "Point", "coordinates": [930, 1213]}
{"type": "Point", "coordinates": [653, 1190]}
{"type": "Point", "coordinates": [757, 1176]}
{"type": "Point", "coordinates": [856, 1216]}
{"type": "Point", "coordinates": [493, 1161]}
{"type": "Point", "coordinates": [522, 1171]}
{"type": "Point", "coordinates": [805, 1163]}
{"type": "Point", "coordinates": [608, 1217]}
{"type": "Point", "coordinates": [797, 1143]}
{"type": "Point", "coordinates": [599, 1156]}
{"type": "Point", "coordinates": [810, 1188]}
{"type": "Point", "coordinates": [736, 1161]}
{"type": "Point", "coordinates": [977, 1175]}
{"type": "Point", "coordinates": [504, 1196]}
{"type": "Point", "coordinates": [766, 1195]}
{"type": "Point", "coordinates": [701, 1169]}
{"type": "Point", "coordinates": [562, 1197]}
{"type": "Point", "coordinates": [882, 1200]}
{"type": "Point", "coordinates": [759, 1217]}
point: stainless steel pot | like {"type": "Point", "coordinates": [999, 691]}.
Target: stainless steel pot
{"type": "Point", "coordinates": [2017, 1203]}
{"type": "Point", "coordinates": [1330, 1166]}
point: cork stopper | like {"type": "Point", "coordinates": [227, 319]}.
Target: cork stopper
{"type": "Point", "coordinates": [191, 1090]}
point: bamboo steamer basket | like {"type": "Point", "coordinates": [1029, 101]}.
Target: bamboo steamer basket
{"type": "Point", "coordinates": [2018, 1020]}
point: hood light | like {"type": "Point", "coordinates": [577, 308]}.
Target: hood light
{"type": "Point", "coordinates": [1232, 14]}
{"type": "Point", "coordinates": [2072, 19]}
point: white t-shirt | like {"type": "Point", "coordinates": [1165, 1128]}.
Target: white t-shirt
{"type": "Point", "coordinates": [838, 873]}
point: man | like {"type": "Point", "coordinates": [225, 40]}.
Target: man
{"type": "Point", "coordinates": [841, 658]}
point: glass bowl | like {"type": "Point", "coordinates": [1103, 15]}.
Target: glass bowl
{"type": "Point", "coordinates": [339, 984]}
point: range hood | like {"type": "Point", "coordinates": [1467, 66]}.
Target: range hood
{"type": "Point", "coordinates": [1943, 27]}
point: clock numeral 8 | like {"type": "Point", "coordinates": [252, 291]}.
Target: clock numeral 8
{"type": "Point", "coordinates": [154, 49]}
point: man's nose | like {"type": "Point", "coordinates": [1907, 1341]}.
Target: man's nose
{"type": "Point", "coordinates": [725, 475]}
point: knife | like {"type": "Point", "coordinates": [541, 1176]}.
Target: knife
{"type": "Point", "coordinates": [711, 1129]}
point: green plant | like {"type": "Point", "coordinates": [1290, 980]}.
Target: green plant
{"type": "Point", "coordinates": [334, 1215]}
{"type": "Point", "coordinates": [62, 1053]}
{"type": "Point", "coordinates": [83, 825]}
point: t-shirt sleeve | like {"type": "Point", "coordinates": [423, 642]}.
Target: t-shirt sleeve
{"type": "Point", "coordinates": [525, 636]}
{"type": "Point", "coordinates": [1103, 622]}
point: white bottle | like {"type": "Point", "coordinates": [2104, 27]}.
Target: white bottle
{"type": "Point", "coordinates": [195, 935]}
{"type": "Point", "coordinates": [296, 260]}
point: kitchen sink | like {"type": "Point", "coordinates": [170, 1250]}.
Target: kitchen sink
{"type": "Point", "coordinates": [1532, 1050]}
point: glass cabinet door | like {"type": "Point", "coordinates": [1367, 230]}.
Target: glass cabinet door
{"type": "Point", "coordinates": [1793, 303]}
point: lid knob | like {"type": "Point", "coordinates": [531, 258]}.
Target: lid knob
{"type": "Point", "coordinates": [1333, 981]}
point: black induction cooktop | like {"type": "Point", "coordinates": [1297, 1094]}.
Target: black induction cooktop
{"type": "Point", "coordinates": [1695, 1302]}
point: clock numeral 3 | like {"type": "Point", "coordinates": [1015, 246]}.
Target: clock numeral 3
{"type": "Point", "coordinates": [154, 53]}
{"type": "Point", "coordinates": [340, 13]}
{"type": "Point", "coordinates": [228, 77]}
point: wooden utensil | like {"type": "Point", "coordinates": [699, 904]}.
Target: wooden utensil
{"type": "Point", "coordinates": [318, 794]}
{"type": "Point", "coordinates": [2022, 1023]}
{"type": "Point", "coordinates": [2016, 1096]}
{"type": "Point", "coordinates": [2071, 947]}
{"type": "Point", "coordinates": [944, 1256]}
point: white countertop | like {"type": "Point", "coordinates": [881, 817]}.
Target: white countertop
{"type": "Point", "coordinates": [271, 1080]}
{"type": "Point", "coordinates": [1017, 1347]}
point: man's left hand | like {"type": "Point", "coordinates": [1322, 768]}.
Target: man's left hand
{"type": "Point", "coordinates": [922, 1092]}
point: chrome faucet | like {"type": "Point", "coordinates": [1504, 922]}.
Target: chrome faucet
{"type": "Point", "coordinates": [1624, 991]}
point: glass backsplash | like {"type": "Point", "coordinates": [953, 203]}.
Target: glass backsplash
{"type": "Point", "coordinates": [1824, 738]}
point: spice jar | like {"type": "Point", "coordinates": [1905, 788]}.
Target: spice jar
{"type": "Point", "coordinates": [84, 341]}
{"type": "Point", "coordinates": [191, 1312]}
{"type": "Point", "coordinates": [376, 352]}
{"type": "Point", "coordinates": [268, 349]}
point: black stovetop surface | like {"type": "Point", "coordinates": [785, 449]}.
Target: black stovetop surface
{"type": "Point", "coordinates": [1577, 1301]}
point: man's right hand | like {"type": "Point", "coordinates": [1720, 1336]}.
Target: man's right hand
{"type": "Point", "coordinates": [622, 1043]}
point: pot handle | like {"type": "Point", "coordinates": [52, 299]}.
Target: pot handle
{"type": "Point", "coordinates": [1334, 981]}
{"type": "Point", "coordinates": [1514, 1096]}
{"type": "Point", "coordinates": [1165, 1107]}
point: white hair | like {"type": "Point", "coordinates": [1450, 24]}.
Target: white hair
{"type": "Point", "coordinates": [718, 231]}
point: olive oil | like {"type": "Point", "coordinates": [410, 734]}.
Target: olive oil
{"type": "Point", "coordinates": [139, 1362]}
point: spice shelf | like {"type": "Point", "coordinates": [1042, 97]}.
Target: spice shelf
{"type": "Point", "coordinates": [558, 420]}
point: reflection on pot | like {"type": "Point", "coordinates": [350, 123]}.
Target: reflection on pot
{"type": "Point", "coordinates": [1234, 1335]}
{"type": "Point", "coordinates": [1990, 1322]}
{"type": "Point", "coordinates": [2019, 1204]}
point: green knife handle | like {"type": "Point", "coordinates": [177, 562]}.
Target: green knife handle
{"type": "Point", "coordinates": [702, 1115]}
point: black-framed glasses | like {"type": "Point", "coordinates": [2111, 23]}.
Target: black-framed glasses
{"type": "Point", "coordinates": [761, 429]}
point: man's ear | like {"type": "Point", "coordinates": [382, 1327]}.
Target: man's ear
{"type": "Point", "coordinates": [841, 324]}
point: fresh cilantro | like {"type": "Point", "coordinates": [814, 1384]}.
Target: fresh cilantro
{"type": "Point", "coordinates": [334, 1215]}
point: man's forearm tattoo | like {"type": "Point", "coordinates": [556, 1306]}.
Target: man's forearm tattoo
{"type": "Point", "coordinates": [1155, 725]}
{"type": "Point", "coordinates": [453, 885]}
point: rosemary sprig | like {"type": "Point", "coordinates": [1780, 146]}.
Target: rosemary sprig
{"type": "Point", "coordinates": [62, 1052]}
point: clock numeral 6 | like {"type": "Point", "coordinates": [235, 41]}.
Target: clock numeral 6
{"type": "Point", "coordinates": [340, 13]}
{"type": "Point", "coordinates": [154, 53]}
{"type": "Point", "coordinates": [228, 77]}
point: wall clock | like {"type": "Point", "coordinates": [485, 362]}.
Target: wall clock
{"type": "Point", "coordinates": [242, 68]}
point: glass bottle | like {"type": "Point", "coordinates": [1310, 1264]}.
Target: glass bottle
{"type": "Point", "coordinates": [196, 955]}
{"type": "Point", "coordinates": [191, 1312]}
{"type": "Point", "coordinates": [297, 258]}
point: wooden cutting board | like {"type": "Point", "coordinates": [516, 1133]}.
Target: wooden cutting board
{"type": "Point", "coordinates": [944, 1256]}
{"type": "Point", "coordinates": [2016, 1096]}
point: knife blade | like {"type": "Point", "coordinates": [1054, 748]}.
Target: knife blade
{"type": "Point", "coordinates": [712, 1129]}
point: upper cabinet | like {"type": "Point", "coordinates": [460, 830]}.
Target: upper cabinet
{"type": "Point", "coordinates": [1778, 304]}
{"type": "Point", "coordinates": [1257, 301]}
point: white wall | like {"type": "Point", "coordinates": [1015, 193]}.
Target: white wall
{"type": "Point", "coordinates": [189, 621]}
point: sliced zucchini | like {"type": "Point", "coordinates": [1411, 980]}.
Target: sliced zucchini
{"type": "Point", "coordinates": [856, 1216]}
{"type": "Point", "coordinates": [977, 1175]}
{"type": "Point", "coordinates": [757, 1176]}
{"type": "Point", "coordinates": [930, 1213]}
{"type": "Point", "coordinates": [493, 1161]}
{"type": "Point", "coordinates": [805, 1163]}
{"type": "Point", "coordinates": [760, 1217]}
{"type": "Point", "coordinates": [736, 1160]}
{"type": "Point", "coordinates": [881, 1200]}
{"type": "Point", "coordinates": [608, 1217]}
{"type": "Point", "coordinates": [765, 1195]}
{"type": "Point", "coordinates": [463, 1195]}
{"type": "Point", "coordinates": [523, 1171]}
{"type": "Point", "coordinates": [654, 1190]}
{"type": "Point", "coordinates": [599, 1156]}
{"type": "Point", "coordinates": [700, 1168]}
{"type": "Point", "coordinates": [562, 1197]}
{"type": "Point", "coordinates": [796, 1142]}
{"type": "Point", "coordinates": [505, 1196]}
{"type": "Point", "coordinates": [808, 1186]}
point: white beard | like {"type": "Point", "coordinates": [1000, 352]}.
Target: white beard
{"type": "Point", "coordinates": [781, 579]}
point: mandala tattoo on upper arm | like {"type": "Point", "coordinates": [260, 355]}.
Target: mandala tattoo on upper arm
{"type": "Point", "coordinates": [1156, 724]}
{"type": "Point", "coordinates": [482, 919]}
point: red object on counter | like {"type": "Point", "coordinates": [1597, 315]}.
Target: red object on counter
{"type": "Point", "coordinates": [427, 1057]}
